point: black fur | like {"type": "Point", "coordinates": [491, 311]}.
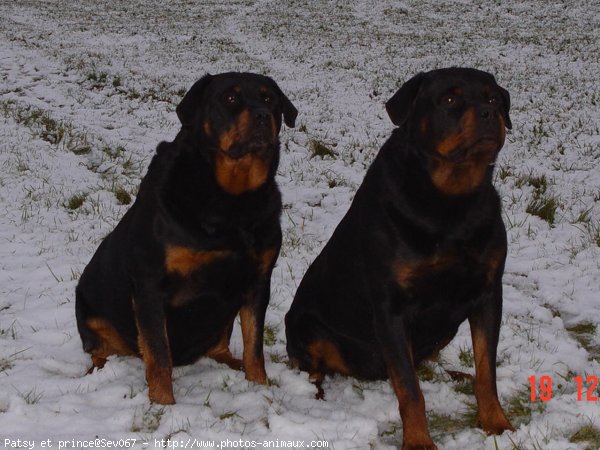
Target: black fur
{"type": "Point", "coordinates": [412, 260]}
{"type": "Point", "coordinates": [129, 283]}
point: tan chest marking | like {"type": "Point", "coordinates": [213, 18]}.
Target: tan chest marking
{"type": "Point", "coordinates": [236, 176]}
{"type": "Point", "coordinates": [183, 260]}
{"type": "Point", "coordinates": [405, 272]}
{"type": "Point", "coordinates": [458, 178]}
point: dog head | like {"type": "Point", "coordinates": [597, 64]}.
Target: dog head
{"type": "Point", "coordinates": [457, 117]}
{"type": "Point", "coordinates": [236, 119]}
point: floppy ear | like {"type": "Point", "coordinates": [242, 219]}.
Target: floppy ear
{"type": "Point", "coordinates": [189, 103]}
{"type": "Point", "coordinates": [398, 107]}
{"type": "Point", "coordinates": [289, 110]}
{"type": "Point", "coordinates": [506, 103]}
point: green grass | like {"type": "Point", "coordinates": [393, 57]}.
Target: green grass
{"type": "Point", "coordinates": [544, 208]}
{"type": "Point", "coordinates": [504, 172]}
{"type": "Point", "coordinates": [113, 152]}
{"type": "Point", "coordinates": [466, 387]}
{"type": "Point", "coordinates": [270, 335]}
{"type": "Point", "coordinates": [122, 196]}
{"type": "Point", "coordinates": [520, 408]}
{"type": "Point", "coordinates": [5, 364]}
{"type": "Point", "coordinates": [587, 434]}
{"type": "Point", "coordinates": [32, 396]}
{"type": "Point", "coordinates": [75, 201]}
{"type": "Point", "coordinates": [228, 415]}
{"type": "Point", "coordinates": [99, 80]}
{"type": "Point", "coordinates": [10, 331]}
{"type": "Point", "coordinates": [593, 231]}
{"type": "Point", "coordinates": [539, 184]}
{"type": "Point", "coordinates": [277, 358]}
{"type": "Point", "coordinates": [466, 357]}
{"type": "Point", "coordinates": [426, 373]}
{"type": "Point", "coordinates": [584, 334]}
{"type": "Point", "coordinates": [318, 148]}
{"type": "Point", "coordinates": [541, 204]}
{"type": "Point", "coordinates": [442, 424]}
{"type": "Point", "coordinates": [149, 421]}
{"type": "Point", "coordinates": [43, 126]}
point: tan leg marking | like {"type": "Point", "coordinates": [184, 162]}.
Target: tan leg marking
{"type": "Point", "coordinates": [325, 355]}
{"type": "Point", "coordinates": [491, 416]}
{"type": "Point", "coordinates": [159, 379]}
{"type": "Point", "coordinates": [111, 342]}
{"type": "Point", "coordinates": [254, 364]}
{"type": "Point", "coordinates": [412, 412]}
{"type": "Point", "coordinates": [221, 352]}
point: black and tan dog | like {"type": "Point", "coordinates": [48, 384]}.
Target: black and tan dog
{"type": "Point", "coordinates": [199, 243]}
{"type": "Point", "coordinates": [421, 249]}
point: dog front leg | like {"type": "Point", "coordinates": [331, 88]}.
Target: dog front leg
{"type": "Point", "coordinates": [485, 331]}
{"type": "Point", "coordinates": [397, 353]}
{"type": "Point", "coordinates": [252, 317]}
{"type": "Point", "coordinates": [153, 344]}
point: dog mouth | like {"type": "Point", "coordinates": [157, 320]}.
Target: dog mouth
{"type": "Point", "coordinates": [259, 145]}
{"type": "Point", "coordinates": [484, 149]}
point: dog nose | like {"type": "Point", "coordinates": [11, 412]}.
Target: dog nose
{"type": "Point", "coordinates": [262, 116]}
{"type": "Point", "coordinates": [486, 112]}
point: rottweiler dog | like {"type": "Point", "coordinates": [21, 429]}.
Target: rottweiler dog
{"type": "Point", "coordinates": [199, 243]}
{"type": "Point", "coordinates": [421, 249]}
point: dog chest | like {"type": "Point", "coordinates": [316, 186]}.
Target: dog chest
{"type": "Point", "coordinates": [445, 280]}
{"type": "Point", "coordinates": [206, 275]}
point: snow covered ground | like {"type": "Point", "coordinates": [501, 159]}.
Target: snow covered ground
{"type": "Point", "coordinates": [88, 89]}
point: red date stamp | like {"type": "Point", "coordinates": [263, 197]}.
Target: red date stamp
{"type": "Point", "coordinates": [541, 388]}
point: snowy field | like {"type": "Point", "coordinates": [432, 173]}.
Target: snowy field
{"type": "Point", "coordinates": [89, 88]}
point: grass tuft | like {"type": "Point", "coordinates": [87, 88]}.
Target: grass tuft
{"type": "Point", "coordinates": [32, 396]}
{"type": "Point", "coordinates": [541, 205]}
{"type": "Point", "coordinates": [544, 208]}
{"type": "Point", "coordinates": [426, 373]}
{"type": "Point", "coordinates": [228, 415]}
{"type": "Point", "coordinates": [75, 201]}
{"type": "Point", "coordinates": [520, 408]}
{"type": "Point", "coordinates": [122, 196]}
{"type": "Point", "coordinates": [270, 336]}
{"type": "Point", "coordinates": [584, 333]}
{"type": "Point", "coordinates": [441, 424]}
{"type": "Point", "coordinates": [277, 358]}
{"type": "Point", "coordinates": [319, 149]}
{"type": "Point", "coordinates": [593, 231]}
{"type": "Point", "coordinates": [466, 387]}
{"type": "Point", "coordinates": [150, 420]}
{"type": "Point", "coordinates": [466, 357]}
{"type": "Point", "coordinates": [587, 434]}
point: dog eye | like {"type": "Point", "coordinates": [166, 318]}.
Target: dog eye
{"type": "Point", "coordinates": [492, 100]}
{"type": "Point", "coordinates": [449, 100]}
{"type": "Point", "coordinates": [267, 98]}
{"type": "Point", "coordinates": [231, 99]}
